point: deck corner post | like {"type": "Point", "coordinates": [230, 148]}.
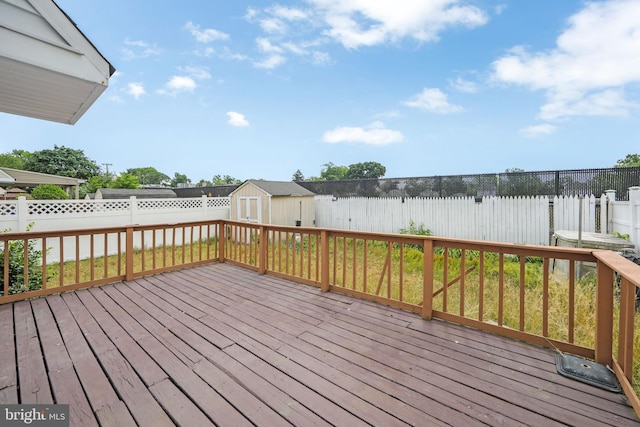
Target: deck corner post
{"type": "Point", "coordinates": [604, 315]}
{"type": "Point", "coordinates": [262, 250]}
{"type": "Point", "coordinates": [129, 254]}
{"type": "Point", "coordinates": [221, 239]}
{"type": "Point", "coordinates": [324, 261]}
{"type": "Point", "coordinates": [427, 280]}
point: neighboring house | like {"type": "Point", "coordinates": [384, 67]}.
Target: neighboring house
{"type": "Point", "coordinates": [273, 202]}
{"type": "Point", "coordinates": [209, 191]}
{"type": "Point", "coordinates": [141, 193]}
{"type": "Point", "coordinates": [48, 68]}
{"type": "Point", "coordinates": [20, 178]}
{"type": "Point", "coordinates": [14, 193]}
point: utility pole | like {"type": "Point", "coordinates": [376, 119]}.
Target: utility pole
{"type": "Point", "coordinates": [106, 165]}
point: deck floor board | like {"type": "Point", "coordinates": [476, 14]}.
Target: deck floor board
{"type": "Point", "coordinates": [221, 345]}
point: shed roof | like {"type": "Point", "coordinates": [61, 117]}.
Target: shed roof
{"type": "Point", "coordinates": [140, 193]}
{"type": "Point", "coordinates": [22, 178]}
{"type": "Point", "coordinates": [48, 68]}
{"type": "Point", "coordinates": [279, 188]}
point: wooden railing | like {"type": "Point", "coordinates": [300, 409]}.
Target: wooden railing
{"type": "Point", "coordinates": [578, 301]}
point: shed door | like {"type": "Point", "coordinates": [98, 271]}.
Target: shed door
{"type": "Point", "coordinates": [250, 209]}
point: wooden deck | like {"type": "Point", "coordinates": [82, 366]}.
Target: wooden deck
{"type": "Point", "coordinates": [223, 345]}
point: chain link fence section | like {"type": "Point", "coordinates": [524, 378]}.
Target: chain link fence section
{"type": "Point", "coordinates": [576, 182]}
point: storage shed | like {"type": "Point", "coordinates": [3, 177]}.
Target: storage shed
{"type": "Point", "coordinates": [273, 202]}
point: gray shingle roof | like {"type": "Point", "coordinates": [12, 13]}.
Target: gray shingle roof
{"type": "Point", "coordinates": [142, 193]}
{"type": "Point", "coordinates": [281, 188]}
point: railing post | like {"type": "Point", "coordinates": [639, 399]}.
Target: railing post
{"type": "Point", "coordinates": [129, 255]}
{"type": "Point", "coordinates": [221, 239]}
{"type": "Point", "coordinates": [324, 261]}
{"type": "Point", "coordinates": [262, 251]}
{"type": "Point", "coordinates": [427, 280]}
{"type": "Point", "coordinates": [604, 315]}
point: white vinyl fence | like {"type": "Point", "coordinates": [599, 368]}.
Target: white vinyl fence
{"type": "Point", "coordinates": [42, 215]}
{"type": "Point", "coordinates": [524, 220]}
{"type": "Point", "coordinates": [624, 217]}
{"type": "Point", "coordinates": [17, 215]}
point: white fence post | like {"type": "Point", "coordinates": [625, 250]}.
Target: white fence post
{"type": "Point", "coordinates": [134, 210]}
{"type": "Point", "coordinates": [634, 201]}
{"type": "Point", "coordinates": [22, 211]}
{"type": "Point", "coordinates": [203, 200]}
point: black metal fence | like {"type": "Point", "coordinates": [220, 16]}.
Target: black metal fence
{"type": "Point", "coordinates": [579, 182]}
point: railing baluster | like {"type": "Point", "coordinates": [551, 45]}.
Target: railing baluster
{"type": "Point", "coordinates": [522, 289]}
{"type": "Point", "coordinates": [445, 277]}
{"type": "Point", "coordinates": [500, 289]}
{"type": "Point", "coordinates": [44, 263]}
{"type": "Point", "coordinates": [572, 287]}
{"type": "Point", "coordinates": [545, 297]}
{"type": "Point", "coordinates": [481, 287]}
{"type": "Point", "coordinates": [463, 256]}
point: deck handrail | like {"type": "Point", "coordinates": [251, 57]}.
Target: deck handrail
{"type": "Point", "coordinates": [451, 274]}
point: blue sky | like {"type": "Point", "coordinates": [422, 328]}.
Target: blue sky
{"type": "Point", "coordinates": [425, 87]}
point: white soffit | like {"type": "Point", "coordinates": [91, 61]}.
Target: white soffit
{"type": "Point", "coordinates": [5, 178]}
{"type": "Point", "coordinates": [48, 68]}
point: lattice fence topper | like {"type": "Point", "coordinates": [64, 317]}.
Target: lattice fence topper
{"type": "Point", "coordinates": [75, 207]}
{"type": "Point", "coordinates": [8, 208]}
{"type": "Point", "coordinates": [169, 204]}
{"type": "Point", "coordinates": [219, 202]}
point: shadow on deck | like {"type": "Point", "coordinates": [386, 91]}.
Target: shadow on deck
{"type": "Point", "coordinates": [221, 344]}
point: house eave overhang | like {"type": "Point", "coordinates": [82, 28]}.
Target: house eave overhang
{"type": "Point", "coordinates": [48, 69]}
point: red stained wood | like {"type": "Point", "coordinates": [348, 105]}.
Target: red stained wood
{"type": "Point", "coordinates": [222, 345]}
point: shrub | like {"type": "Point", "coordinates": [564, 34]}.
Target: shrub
{"type": "Point", "coordinates": [16, 266]}
{"type": "Point", "coordinates": [49, 192]}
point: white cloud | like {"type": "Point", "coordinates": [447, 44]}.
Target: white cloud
{"type": "Point", "coordinates": [237, 119]}
{"type": "Point", "coordinates": [374, 134]}
{"type": "Point", "coordinates": [321, 58]}
{"type": "Point", "coordinates": [289, 13]}
{"type": "Point", "coordinates": [271, 62]}
{"type": "Point", "coordinates": [462, 85]}
{"type": "Point", "coordinates": [264, 45]}
{"type": "Point", "coordinates": [595, 58]}
{"type": "Point", "coordinates": [207, 35]}
{"type": "Point", "coordinates": [534, 131]}
{"type": "Point", "coordinates": [136, 89]}
{"type": "Point", "coordinates": [272, 25]}
{"type": "Point", "coordinates": [198, 73]}
{"type": "Point", "coordinates": [178, 84]}
{"type": "Point", "coordinates": [356, 23]}
{"type": "Point", "coordinates": [433, 100]}
{"type": "Point", "coordinates": [136, 49]}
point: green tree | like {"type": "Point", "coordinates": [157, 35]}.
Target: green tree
{"type": "Point", "coordinates": [203, 183]}
{"type": "Point", "coordinates": [332, 172]}
{"type": "Point", "coordinates": [149, 176]}
{"type": "Point", "coordinates": [224, 180]}
{"type": "Point", "coordinates": [62, 161]}
{"type": "Point", "coordinates": [125, 180]}
{"type": "Point", "coordinates": [297, 176]}
{"type": "Point", "coordinates": [517, 182]}
{"type": "Point", "coordinates": [17, 266]}
{"type": "Point", "coordinates": [629, 161]}
{"type": "Point", "coordinates": [96, 182]}
{"type": "Point", "coordinates": [178, 179]}
{"type": "Point", "coordinates": [16, 159]}
{"type": "Point", "coordinates": [49, 192]}
{"type": "Point", "coordinates": [365, 170]}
